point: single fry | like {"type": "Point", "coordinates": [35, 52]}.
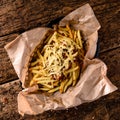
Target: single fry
{"type": "Point", "coordinates": [62, 85]}
{"type": "Point", "coordinates": [79, 38]}
{"type": "Point", "coordinates": [75, 76]}
{"type": "Point", "coordinates": [34, 68]}
{"type": "Point", "coordinates": [69, 30]}
{"type": "Point", "coordinates": [35, 62]}
{"type": "Point", "coordinates": [44, 89]}
{"type": "Point", "coordinates": [69, 82]}
{"type": "Point", "coordinates": [53, 90]}
{"type": "Point", "coordinates": [72, 69]}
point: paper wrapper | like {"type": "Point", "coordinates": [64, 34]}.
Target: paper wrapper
{"type": "Point", "coordinates": [93, 82]}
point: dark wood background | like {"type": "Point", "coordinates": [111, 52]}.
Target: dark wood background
{"type": "Point", "coordinates": [17, 16]}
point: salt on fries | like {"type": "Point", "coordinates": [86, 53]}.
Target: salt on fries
{"type": "Point", "coordinates": [57, 66]}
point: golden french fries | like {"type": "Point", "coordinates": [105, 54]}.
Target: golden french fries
{"type": "Point", "coordinates": [57, 66]}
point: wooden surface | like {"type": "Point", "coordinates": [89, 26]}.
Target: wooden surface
{"type": "Point", "coordinates": [17, 16]}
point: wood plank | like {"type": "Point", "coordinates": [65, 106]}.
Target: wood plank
{"type": "Point", "coordinates": [21, 15]}
{"type": "Point", "coordinates": [107, 12]}
{"type": "Point", "coordinates": [8, 101]}
{"type": "Point", "coordinates": [107, 107]}
{"type": "Point", "coordinates": [7, 72]}
{"type": "Point", "coordinates": [112, 60]}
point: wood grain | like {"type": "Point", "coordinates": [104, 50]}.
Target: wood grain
{"type": "Point", "coordinates": [108, 14]}
{"type": "Point", "coordinates": [112, 60]}
{"type": "Point", "coordinates": [21, 15]}
{"type": "Point", "coordinates": [7, 72]}
{"type": "Point", "coordinates": [105, 108]}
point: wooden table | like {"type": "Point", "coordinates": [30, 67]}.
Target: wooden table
{"type": "Point", "coordinates": [17, 16]}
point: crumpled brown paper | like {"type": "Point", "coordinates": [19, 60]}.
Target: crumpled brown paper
{"type": "Point", "coordinates": [93, 81]}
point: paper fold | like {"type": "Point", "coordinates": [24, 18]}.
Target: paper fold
{"type": "Point", "coordinates": [93, 82]}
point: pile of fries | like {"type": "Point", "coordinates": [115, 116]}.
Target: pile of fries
{"type": "Point", "coordinates": [57, 66]}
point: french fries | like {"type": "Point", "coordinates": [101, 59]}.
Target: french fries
{"type": "Point", "coordinates": [57, 66]}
